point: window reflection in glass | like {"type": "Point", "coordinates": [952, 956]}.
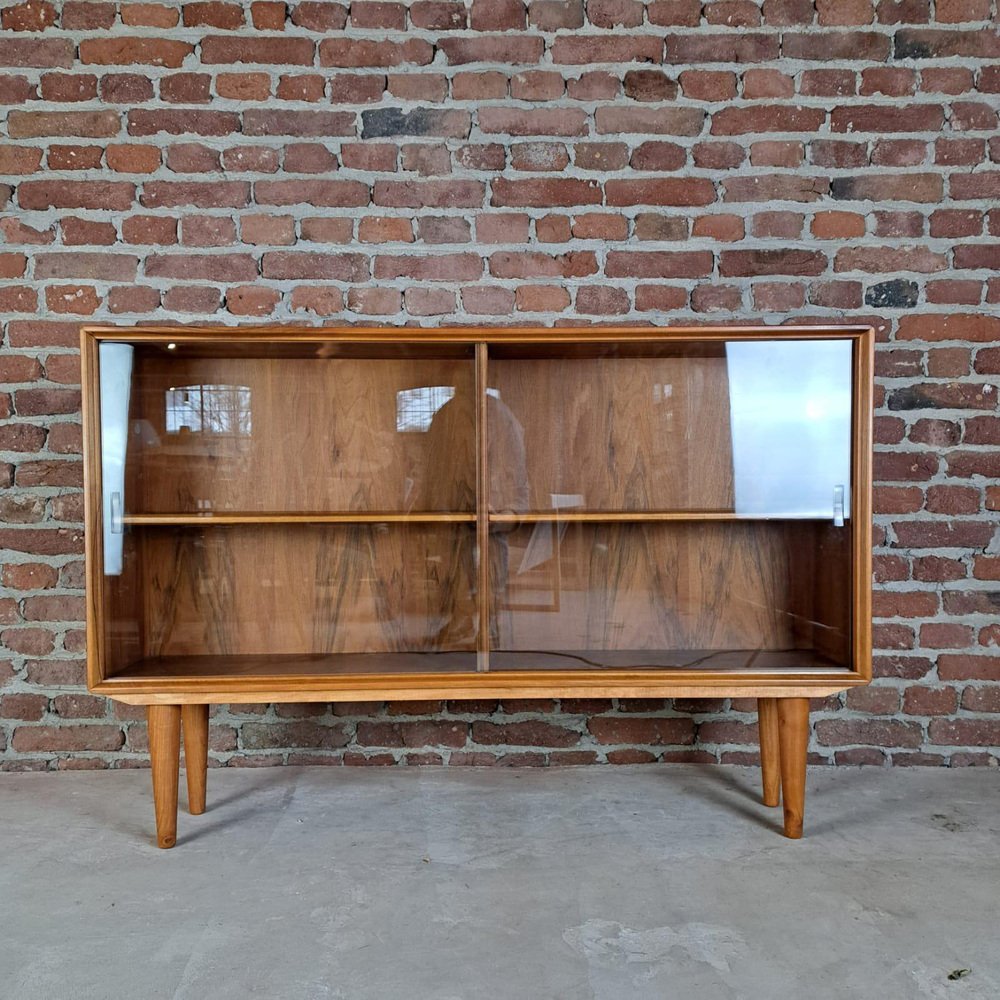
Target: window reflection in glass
{"type": "Point", "coordinates": [209, 409]}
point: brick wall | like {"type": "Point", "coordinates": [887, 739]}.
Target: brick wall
{"type": "Point", "coordinates": [438, 162]}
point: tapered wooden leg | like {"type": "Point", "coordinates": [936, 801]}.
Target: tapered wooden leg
{"type": "Point", "coordinates": [164, 754]}
{"type": "Point", "coordinates": [793, 736]}
{"type": "Point", "coordinates": [770, 755]}
{"type": "Point", "coordinates": [195, 722]}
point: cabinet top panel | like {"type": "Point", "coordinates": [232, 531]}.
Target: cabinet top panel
{"type": "Point", "coordinates": [464, 335]}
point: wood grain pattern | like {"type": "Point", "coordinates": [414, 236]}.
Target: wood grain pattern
{"type": "Point", "coordinates": [299, 589]}
{"type": "Point", "coordinates": [620, 433]}
{"type": "Point", "coordinates": [770, 750]}
{"type": "Point", "coordinates": [316, 435]}
{"type": "Point", "coordinates": [793, 736]}
{"type": "Point", "coordinates": [194, 724]}
{"type": "Point", "coordinates": [718, 585]}
{"type": "Point", "coordinates": [164, 724]}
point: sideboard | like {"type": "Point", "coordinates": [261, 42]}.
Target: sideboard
{"type": "Point", "coordinates": [286, 514]}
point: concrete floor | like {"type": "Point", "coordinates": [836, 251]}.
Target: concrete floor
{"type": "Point", "coordinates": [614, 883]}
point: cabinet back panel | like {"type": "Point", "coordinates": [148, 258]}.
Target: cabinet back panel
{"type": "Point", "coordinates": [743, 585]}
{"type": "Point", "coordinates": [618, 433]}
{"type": "Point", "coordinates": [285, 434]}
{"type": "Point", "coordinates": [248, 589]}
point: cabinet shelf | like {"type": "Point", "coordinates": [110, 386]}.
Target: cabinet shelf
{"type": "Point", "coordinates": [220, 668]}
{"type": "Point", "coordinates": [604, 516]}
{"type": "Point", "coordinates": [317, 517]}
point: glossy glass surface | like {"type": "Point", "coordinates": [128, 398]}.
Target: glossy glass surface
{"type": "Point", "coordinates": [188, 431]}
{"type": "Point", "coordinates": [725, 595]}
{"type": "Point", "coordinates": [757, 428]}
{"type": "Point", "coordinates": [331, 592]}
{"type": "Point", "coordinates": [652, 505]}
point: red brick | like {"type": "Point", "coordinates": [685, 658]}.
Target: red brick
{"type": "Point", "coordinates": [282, 264]}
{"type": "Point", "coordinates": [307, 158]}
{"type": "Point", "coordinates": [92, 124]}
{"type": "Point", "coordinates": [436, 15]}
{"type": "Point", "coordinates": [280, 51]}
{"type": "Point", "coordinates": [152, 15]}
{"type": "Point", "coordinates": [149, 229]}
{"type": "Point", "coordinates": [487, 301]}
{"type": "Point", "coordinates": [759, 262]}
{"type": "Point", "coordinates": [534, 733]}
{"type": "Point", "coordinates": [741, 47]}
{"type": "Point", "coordinates": [267, 15]}
{"type": "Point", "coordinates": [553, 229]}
{"type": "Point", "coordinates": [539, 156]}
{"type": "Point", "coordinates": [247, 86]}
{"type": "Point", "coordinates": [36, 52]}
{"type": "Point", "coordinates": [478, 86]}
{"type": "Point", "coordinates": [544, 193]}
{"type": "Point", "coordinates": [322, 300]}
{"type": "Point", "coordinates": [610, 729]}
{"type": "Point", "coordinates": [719, 227]}
{"type": "Point", "coordinates": [649, 85]}
{"type": "Point", "coordinates": [623, 47]}
{"type": "Point", "coordinates": [776, 187]}
{"type": "Point", "coordinates": [959, 732]}
{"type": "Point", "coordinates": [713, 86]}
{"type": "Point", "coordinates": [541, 298]}
{"type": "Point", "coordinates": [205, 267]}
{"type": "Point", "coordinates": [892, 81]}
{"type": "Point", "coordinates": [828, 83]}
{"type": "Point", "coordinates": [322, 16]}
{"type": "Point", "coordinates": [536, 85]}
{"type": "Point", "coordinates": [868, 732]}
{"type": "Point", "coordinates": [765, 118]}
{"type": "Point", "coordinates": [602, 301]}
{"type": "Point", "coordinates": [594, 86]}
{"type": "Point", "coordinates": [658, 264]}
{"type": "Point", "coordinates": [577, 264]}
{"type": "Point", "coordinates": [333, 194]}
{"type": "Point", "coordinates": [356, 53]}
{"type": "Point", "coordinates": [509, 49]}
{"type": "Point", "coordinates": [430, 194]}
{"type": "Point", "coordinates": [127, 50]}
{"type": "Point", "coordinates": [657, 121]}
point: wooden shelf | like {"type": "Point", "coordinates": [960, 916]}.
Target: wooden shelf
{"type": "Point", "coordinates": [318, 517]}
{"type": "Point", "coordinates": [452, 517]}
{"type": "Point", "coordinates": [541, 516]}
{"type": "Point", "coordinates": [318, 665]}
{"type": "Point", "coordinates": [296, 665]}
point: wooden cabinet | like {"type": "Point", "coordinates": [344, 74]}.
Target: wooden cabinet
{"type": "Point", "coordinates": [361, 514]}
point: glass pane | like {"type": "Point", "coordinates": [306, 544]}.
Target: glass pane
{"type": "Point", "coordinates": [244, 429]}
{"type": "Point", "coordinates": [253, 597]}
{"type": "Point", "coordinates": [722, 595]}
{"type": "Point", "coordinates": [758, 428]}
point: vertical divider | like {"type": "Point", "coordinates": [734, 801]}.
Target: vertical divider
{"type": "Point", "coordinates": [482, 512]}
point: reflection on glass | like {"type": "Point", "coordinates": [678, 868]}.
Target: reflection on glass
{"type": "Point", "coordinates": [415, 408]}
{"type": "Point", "coordinates": [116, 380]}
{"type": "Point", "coordinates": [758, 428]}
{"type": "Point", "coordinates": [208, 409]}
{"type": "Point", "coordinates": [244, 433]}
{"type": "Point", "coordinates": [790, 405]}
